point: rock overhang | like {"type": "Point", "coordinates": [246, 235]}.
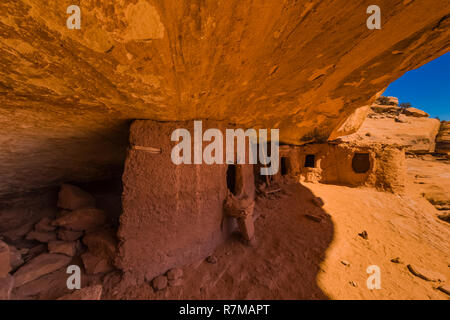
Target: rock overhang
{"type": "Point", "coordinates": [303, 67]}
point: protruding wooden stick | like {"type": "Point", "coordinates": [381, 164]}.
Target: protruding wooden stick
{"type": "Point", "coordinates": [147, 149]}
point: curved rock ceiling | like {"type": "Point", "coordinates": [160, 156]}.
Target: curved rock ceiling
{"type": "Point", "coordinates": [67, 96]}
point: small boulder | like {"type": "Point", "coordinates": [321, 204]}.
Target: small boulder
{"type": "Point", "coordinates": [364, 235]}
{"type": "Point", "coordinates": [318, 202]}
{"type": "Point", "coordinates": [445, 216]}
{"type": "Point", "coordinates": [62, 213]}
{"type": "Point", "coordinates": [44, 225]}
{"type": "Point", "coordinates": [35, 251]}
{"type": "Point", "coordinates": [73, 198]}
{"type": "Point", "coordinates": [313, 217]}
{"type": "Point", "coordinates": [211, 259]}
{"type": "Point", "coordinates": [96, 265]}
{"type": "Point", "coordinates": [5, 260]}
{"type": "Point", "coordinates": [67, 248]}
{"type": "Point", "coordinates": [396, 260]}
{"type": "Point", "coordinates": [82, 219]}
{"type": "Point", "coordinates": [414, 112]}
{"type": "Point", "coordinates": [174, 273]}
{"type": "Point", "coordinates": [15, 257]}
{"type": "Point", "coordinates": [159, 283]}
{"type": "Point", "coordinates": [18, 233]}
{"type": "Point", "coordinates": [262, 187]}
{"type": "Point", "coordinates": [353, 284]}
{"type": "Point", "coordinates": [39, 266]}
{"type": "Point", "coordinates": [176, 283]}
{"type": "Point", "coordinates": [101, 243]}
{"type": "Point", "coordinates": [6, 286]}
{"type": "Point", "coordinates": [43, 237]}
{"type": "Point", "coordinates": [401, 118]}
{"type": "Point", "coordinates": [88, 293]}
{"type": "Point", "coordinates": [69, 235]}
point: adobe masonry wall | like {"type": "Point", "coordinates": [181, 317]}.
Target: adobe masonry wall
{"type": "Point", "coordinates": [172, 215]}
{"type": "Point", "coordinates": [333, 164]}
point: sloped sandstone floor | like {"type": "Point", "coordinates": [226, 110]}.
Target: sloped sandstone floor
{"type": "Point", "coordinates": [299, 258]}
{"type": "Point", "coordinates": [296, 257]}
{"type": "Point", "coordinates": [430, 177]}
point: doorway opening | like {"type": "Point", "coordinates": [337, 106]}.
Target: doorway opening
{"type": "Point", "coordinates": [284, 166]}
{"type": "Point", "coordinates": [310, 161]}
{"type": "Point", "coordinates": [231, 178]}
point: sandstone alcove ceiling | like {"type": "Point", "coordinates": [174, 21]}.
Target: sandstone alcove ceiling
{"type": "Point", "coordinates": [67, 96]}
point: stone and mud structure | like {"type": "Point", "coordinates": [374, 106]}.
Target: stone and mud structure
{"type": "Point", "coordinates": [86, 173]}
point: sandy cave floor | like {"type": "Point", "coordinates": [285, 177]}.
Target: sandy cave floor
{"type": "Point", "coordinates": [297, 258]}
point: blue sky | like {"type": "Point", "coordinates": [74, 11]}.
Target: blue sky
{"type": "Point", "coordinates": [426, 88]}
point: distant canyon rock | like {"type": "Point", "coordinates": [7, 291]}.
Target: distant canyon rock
{"type": "Point", "coordinates": [443, 138]}
{"type": "Point", "coordinates": [388, 124]}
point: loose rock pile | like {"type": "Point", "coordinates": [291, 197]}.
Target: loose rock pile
{"type": "Point", "coordinates": [79, 229]}
{"type": "Point", "coordinates": [173, 278]}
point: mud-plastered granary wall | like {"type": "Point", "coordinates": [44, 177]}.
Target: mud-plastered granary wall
{"type": "Point", "coordinates": [373, 165]}
{"type": "Point", "coordinates": [173, 214]}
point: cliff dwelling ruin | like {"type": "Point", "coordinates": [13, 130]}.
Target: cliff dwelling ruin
{"type": "Point", "coordinates": [87, 177]}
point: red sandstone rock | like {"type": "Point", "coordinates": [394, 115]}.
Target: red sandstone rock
{"type": "Point", "coordinates": [5, 262]}
{"type": "Point", "coordinates": [101, 243]}
{"type": "Point", "coordinates": [62, 213]}
{"type": "Point", "coordinates": [364, 235]}
{"type": "Point", "coordinates": [49, 286]}
{"type": "Point", "coordinates": [313, 217]}
{"type": "Point", "coordinates": [69, 235]}
{"type": "Point", "coordinates": [413, 112]}
{"type": "Point", "coordinates": [39, 266]}
{"type": "Point", "coordinates": [6, 286]}
{"type": "Point", "coordinates": [73, 198]}
{"type": "Point", "coordinates": [44, 225]}
{"type": "Point", "coordinates": [318, 202]}
{"type": "Point", "coordinates": [159, 283]}
{"type": "Point", "coordinates": [95, 265]}
{"type": "Point", "coordinates": [17, 233]}
{"type": "Point", "coordinates": [82, 219]}
{"type": "Point", "coordinates": [211, 259]}
{"type": "Point", "coordinates": [176, 283]}
{"type": "Point", "coordinates": [35, 251]}
{"type": "Point", "coordinates": [402, 119]}
{"type": "Point", "coordinates": [445, 216]}
{"type": "Point", "coordinates": [396, 260]}
{"type": "Point", "coordinates": [15, 257]}
{"type": "Point", "coordinates": [43, 237]}
{"type": "Point", "coordinates": [88, 293]}
{"type": "Point", "coordinates": [247, 228]}
{"type": "Point", "coordinates": [174, 273]}
{"type": "Point", "coordinates": [67, 248]}
{"type": "Point", "coordinates": [345, 263]}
